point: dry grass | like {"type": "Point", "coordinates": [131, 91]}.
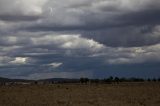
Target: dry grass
{"type": "Point", "coordinates": [146, 94]}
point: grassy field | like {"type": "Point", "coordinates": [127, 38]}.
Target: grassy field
{"type": "Point", "coordinates": [135, 94]}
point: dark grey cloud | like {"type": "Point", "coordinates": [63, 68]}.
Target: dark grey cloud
{"type": "Point", "coordinates": [18, 18]}
{"type": "Point", "coordinates": [74, 38]}
{"type": "Point", "coordinates": [129, 36]}
{"type": "Point", "coordinates": [131, 22]}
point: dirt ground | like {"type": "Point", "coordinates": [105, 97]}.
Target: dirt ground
{"type": "Point", "coordinates": [124, 94]}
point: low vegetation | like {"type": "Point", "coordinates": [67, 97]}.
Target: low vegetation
{"type": "Point", "coordinates": [122, 94]}
{"type": "Point", "coordinates": [112, 91]}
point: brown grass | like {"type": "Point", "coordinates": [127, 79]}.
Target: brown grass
{"type": "Point", "coordinates": [136, 94]}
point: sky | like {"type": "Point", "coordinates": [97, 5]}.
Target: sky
{"type": "Point", "coordinates": [79, 38]}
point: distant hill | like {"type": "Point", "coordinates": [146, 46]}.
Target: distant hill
{"type": "Point", "coordinates": [13, 80]}
{"type": "Point", "coordinates": [59, 80]}
{"type": "Point", "coordinates": [4, 79]}
{"type": "Point", "coordinates": [65, 80]}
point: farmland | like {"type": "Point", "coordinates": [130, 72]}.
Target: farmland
{"type": "Point", "coordinates": [123, 94]}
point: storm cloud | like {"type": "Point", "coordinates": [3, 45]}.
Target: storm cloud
{"type": "Point", "coordinates": [76, 38]}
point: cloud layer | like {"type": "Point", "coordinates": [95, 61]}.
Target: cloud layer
{"type": "Point", "coordinates": [77, 37]}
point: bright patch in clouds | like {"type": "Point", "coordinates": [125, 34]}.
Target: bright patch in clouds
{"type": "Point", "coordinates": [55, 65]}
{"type": "Point", "coordinates": [21, 7]}
{"type": "Point", "coordinates": [19, 60]}
{"type": "Point", "coordinates": [68, 42]}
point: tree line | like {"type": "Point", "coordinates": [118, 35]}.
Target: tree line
{"type": "Point", "coordinates": [118, 80]}
{"type": "Point", "coordinates": [82, 80]}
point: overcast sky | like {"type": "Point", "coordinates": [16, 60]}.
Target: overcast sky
{"type": "Point", "coordinates": [79, 38]}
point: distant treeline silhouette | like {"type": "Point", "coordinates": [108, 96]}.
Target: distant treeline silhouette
{"type": "Point", "coordinates": [118, 80]}
{"type": "Point", "coordinates": [83, 80]}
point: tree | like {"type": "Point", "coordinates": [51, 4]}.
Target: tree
{"type": "Point", "coordinates": [36, 82]}
{"type": "Point", "coordinates": [110, 78]}
{"type": "Point", "coordinates": [148, 79]}
{"type": "Point", "coordinates": [154, 80]}
{"type": "Point", "coordinates": [123, 79]}
{"type": "Point", "coordinates": [116, 79]}
{"type": "Point", "coordinates": [84, 80]}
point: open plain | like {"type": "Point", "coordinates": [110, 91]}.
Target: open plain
{"type": "Point", "coordinates": [123, 94]}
